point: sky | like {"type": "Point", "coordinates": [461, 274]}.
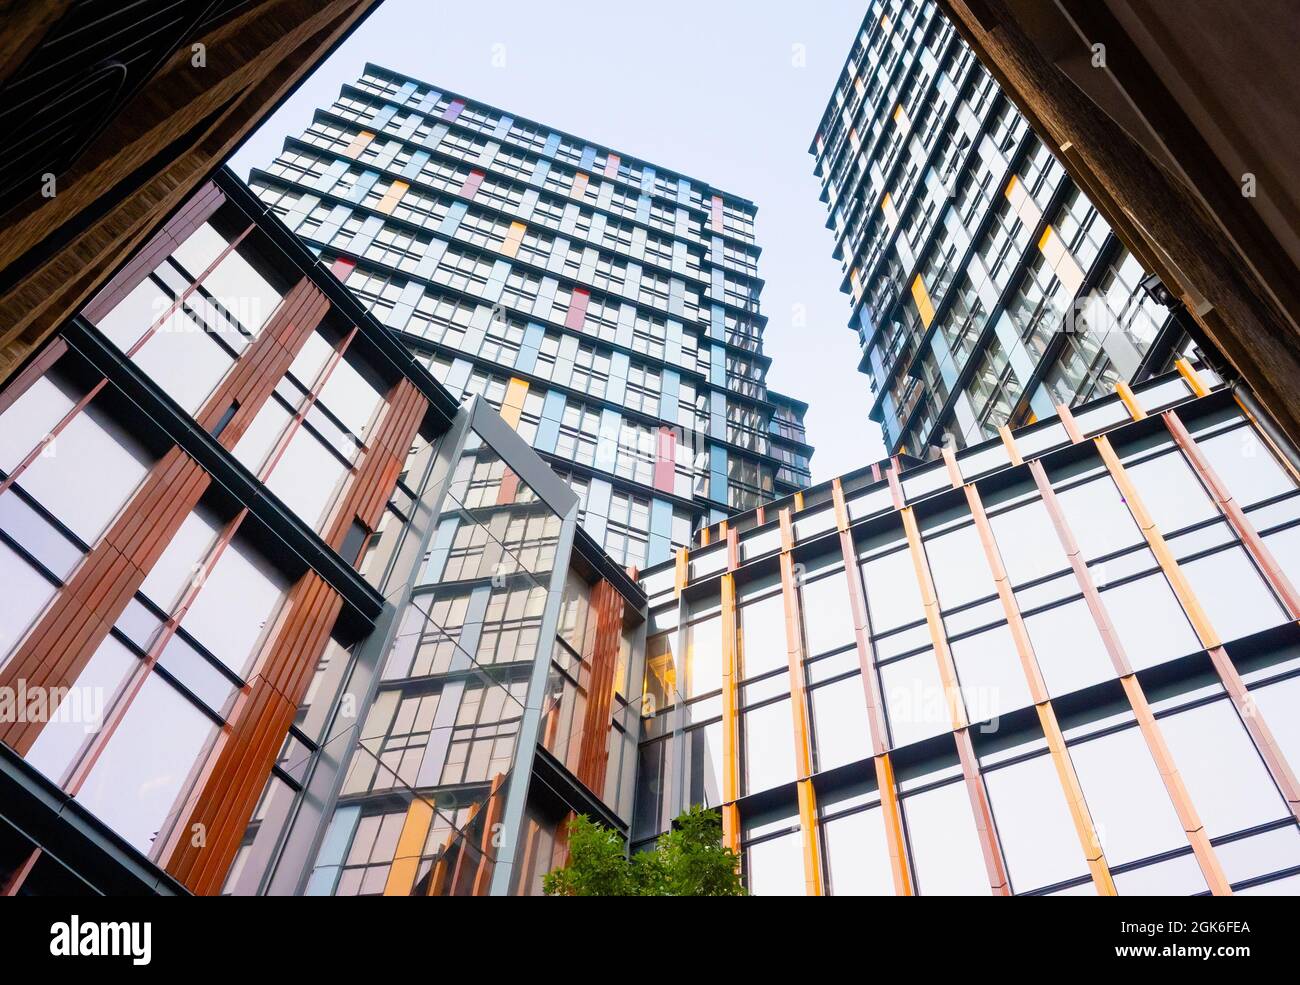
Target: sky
{"type": "Point", "coordinates": [726, 91]}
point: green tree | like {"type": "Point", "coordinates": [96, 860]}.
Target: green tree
{"type": "Point", "coordinates": [689, 860]}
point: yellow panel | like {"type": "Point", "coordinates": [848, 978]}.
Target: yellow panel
{"type": "Point", "coordinates": [922, 298]}
{"type": "Point", "coordinates": [1011, 185]}
{"type": "Point", "coordinates": [513, 404]}
{"type": "Point", "coordinates": [359, 143]}
{"type": "Point", "coordinates": [392, 197]}
{"type": "Point", "coordinates": [410, 845]}
{"type": "Point", "coordinates": [891, 213]}
{"type": "Point", "coordinates": [513, 238]}
{"type": "Point", "coordinates": [1045, 239]}
{"type": "Point", "coordinates": [1188, 372]}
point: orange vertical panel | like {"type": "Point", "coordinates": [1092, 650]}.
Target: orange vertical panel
{"type": "Point", "coordinates": [799, 710]}
{"type": "Point", "coordinates": [730, 717]}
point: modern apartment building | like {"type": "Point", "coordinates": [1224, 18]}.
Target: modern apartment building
{"type": "Point", "coordinates": [985, 288]}
{"type": "Point", "coordinates": [608, 306]}
{"type": "Point", "coordinates": [282, 614]}
{"type": "Point", "coordinates": [1061, 661]}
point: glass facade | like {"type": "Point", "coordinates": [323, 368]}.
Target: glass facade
{"type": "Point", "coordinates": [608, 307]}
{"type": "Point", "coordinates": [984, 287]}
{"type": "Point", "coordinates": [1059, 662]}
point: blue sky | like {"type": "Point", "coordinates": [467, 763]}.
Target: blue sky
{"type": "Point", "coordinates": [726, 91]}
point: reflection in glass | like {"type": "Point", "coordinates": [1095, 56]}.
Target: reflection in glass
{"type": "Point", "coordinates": [136, 782]}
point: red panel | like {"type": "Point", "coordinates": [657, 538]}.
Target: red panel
{"type": "Point", "coordinates": [342, 269]}
{"type": "Point", "coordinates": [509, 488]}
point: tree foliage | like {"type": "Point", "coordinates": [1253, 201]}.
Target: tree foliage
{"type": "Point", "coordinates": [689, 860]}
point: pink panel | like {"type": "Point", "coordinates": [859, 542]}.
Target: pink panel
{"type": "Point", "coordinates": [471, 183]}
{"type": "Point", "coordinates": [577, 308]}
{"type": "Point", "coordinates": [342, 269]}
{"type": "Point", "coordinates": [611, 165]}
{"type": "Point", "coordinates": [453, 111]}
{"type": "Point", "coordinates": [715, 214]}
{"type": "Point", "coordinates": [665, 461]}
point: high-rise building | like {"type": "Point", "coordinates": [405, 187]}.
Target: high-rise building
{"type": "Point", "coordinates": [282, 614]}
{"type": "Point", "coordinates": [608, 306]}
{"type": "Point", "coordinates": [1061, 661]}
{"type": "Point", "coordinates": [985, 288]}
{"type": "Point", "coordinates": [1171, 119]}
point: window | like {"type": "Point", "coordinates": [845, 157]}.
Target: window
{"type": "Point", "coordinates": [915, 703]}
{"type": "Point", "coordinates": [768, 735]}
{"type": "Point", "coordinates": [1027, 542]}
{"type": "Point", "coordinates": [1225, 777]}
{"type": "Point", "coordinates": [762, 636]}
{"type": "Point", "coordinates": [625, 531]}
{"type": "Point", "coordinates": [87, 472]}
{"type": "Point", "coordinates": [839, 718]}
{"type": "Point", "coordinates": [893, 596]}
{"type": "Point", "coordinates": [1034, 825]}
{"type": "Point", "coordinates": [959, 567]}
{"type": "Point", "coordinates": [1171, 492]}
{"type": "Point", "coordinates": [1246, 466]}
{"type": "Point", "coordinates": [1098, 518]}
{"type": "Point", "coordinates": [27, 593]}
{"type": "Point", "coordinates": [135, 784]}
{"type": "Point", "coordinates": [945, 845]}
{"type": "Point", "coordinates": [1126, 797]}
{"type": "Point", "coordinates": [857, 854]}
{"type": "Point", "coordinates": [703, 657]}
{"type": "Point", "coordinates": [1071, 653]}
{"type": "Point", "coordinates": [775, 867]}
{"type": "Point", "coordinates": [1149, 621]}
{"type": "Point", "coordinates": [992, 678]}
{"type": "Point", "coordinates": [827, 617]}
